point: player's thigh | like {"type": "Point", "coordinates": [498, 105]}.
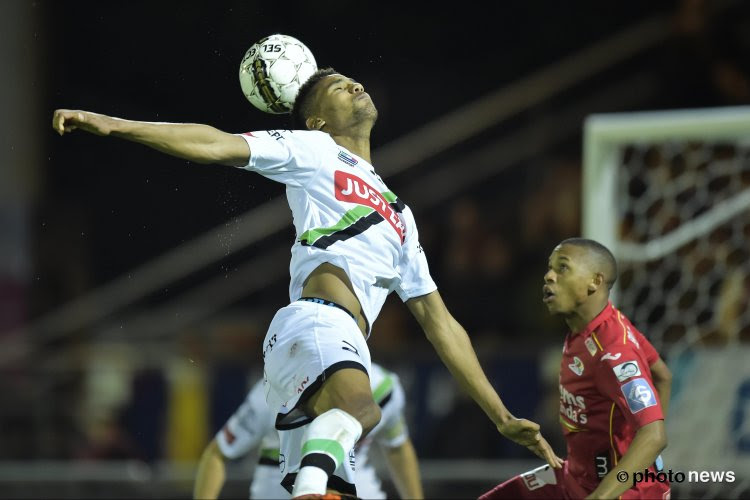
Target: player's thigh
{"type": "Point", "coordinates": [306, 345]}
{"type": "Point", "coordinates": [347, 389]}
{"type": "Point", "coordinates": [542, 482]}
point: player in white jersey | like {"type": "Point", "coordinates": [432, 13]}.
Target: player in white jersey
{"type": "Point", "coordinates": [356, 243]}
{"type": "Point", "coordinates": [251, 428]}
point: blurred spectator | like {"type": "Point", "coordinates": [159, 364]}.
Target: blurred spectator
{"type": "Point", "coordinates": [706, 61]}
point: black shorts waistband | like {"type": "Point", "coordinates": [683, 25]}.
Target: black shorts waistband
{"type": "Point", "coordinates": [318, 300]}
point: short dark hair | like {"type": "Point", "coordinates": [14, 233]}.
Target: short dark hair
{"type": "Point", "coordinates": [302, 103]}
{"type": "Point", "coordinates": [605, 260]}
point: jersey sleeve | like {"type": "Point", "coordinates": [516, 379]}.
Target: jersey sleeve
{"type": "Point", "coordinates": [394, 431]}
{"type": "Point", "coordinates": [626, 380]}
{"type": "Point", "coordinates": [413, 268]}
{"type": "Point", "coordinates": [650, 353]}
{"type": "Point", "coordinates": [244, 430]}
{"type": "Point", "coordinates": [286, 156]}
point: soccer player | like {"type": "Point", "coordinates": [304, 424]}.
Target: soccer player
{"type": "Point", "coordinates": [251, 428]}
{"type": "Point", "coordinates": [614, 388]}
{"type": "Point", "coordinates": [356, 242]}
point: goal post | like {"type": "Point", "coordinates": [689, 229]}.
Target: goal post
{"type": "Point", "coordinates": [669, 193]}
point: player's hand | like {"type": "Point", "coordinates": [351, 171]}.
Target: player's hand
{"type": "Point", "coordinates": [526, 433]}
{"type": "Point", "coordinates": [67, 120]}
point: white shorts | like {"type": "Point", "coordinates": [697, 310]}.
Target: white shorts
{"type": "Point", "coordinates": [266, 483]}
{"type": "Point", "coordinates": [306, 343]}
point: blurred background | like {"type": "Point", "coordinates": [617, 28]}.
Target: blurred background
{"type": "Point", "coordinates": [135, 288]}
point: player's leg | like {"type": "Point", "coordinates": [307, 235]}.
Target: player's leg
{"type": "Point", "coordinates": [542, 482]}
{"type": "Point", "coordinates": [316, 365]}
{"type": "Point", "coordinates": [344, 410]}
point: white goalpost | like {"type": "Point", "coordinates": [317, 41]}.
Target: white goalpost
{"type": "Point", "coordinates": [669, 193]}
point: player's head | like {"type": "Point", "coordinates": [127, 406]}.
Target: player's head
{"type": "Point", "coordinates": [580, 274]}
{"type": "Point", "coordinates": [333, 103]}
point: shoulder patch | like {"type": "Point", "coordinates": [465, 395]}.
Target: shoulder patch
{"type": "Point", "coordinates": [638, 394]}
{"type": "Point", "coordinates": [347, 158]}
{"type": "Point", "coordinates": [627, 370]}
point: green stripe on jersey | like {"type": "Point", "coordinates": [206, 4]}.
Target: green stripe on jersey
{"type": "Point", "coordinates": [383, 389]}
{"type": "Point", "coordinates": [327, 446]}
{"type": "Point", "coordinates": [270, 453]}
{"type": "Point", "coordinates": [352, 216]}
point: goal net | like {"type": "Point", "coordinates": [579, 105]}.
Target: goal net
{"type": "Point", "coordinates": [669, 193]}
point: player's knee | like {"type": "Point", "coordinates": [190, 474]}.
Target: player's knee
{"type": "Point", "coordinates": [365, 410]}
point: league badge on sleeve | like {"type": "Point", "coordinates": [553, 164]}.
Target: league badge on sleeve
{"type": "Point", "coordinates": [626, 370]}
{"type": "Point", "coordinates": [638, 394]}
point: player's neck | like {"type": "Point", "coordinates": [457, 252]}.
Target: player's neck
{"type": "Point", "coordinates": [579, 319]}
{"type": "Point", "coordinates": [359, 145]}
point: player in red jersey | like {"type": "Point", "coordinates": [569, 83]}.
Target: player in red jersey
{"type": "Point", "coordinates": [614, 388]}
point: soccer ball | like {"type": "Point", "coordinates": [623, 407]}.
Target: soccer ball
{"type": "Point", "coordinates": [273, 70]}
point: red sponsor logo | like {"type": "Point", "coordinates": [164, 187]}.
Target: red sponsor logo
{"type": "Point", "coordinates": [354, 190]}
{"type": "Point", "coordinates": [531, 481]}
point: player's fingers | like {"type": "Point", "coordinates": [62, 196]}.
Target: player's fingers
{"type": "Point", "coordinates": [58, 121]}
{"type": "Point", "coordinates": [546, 452]}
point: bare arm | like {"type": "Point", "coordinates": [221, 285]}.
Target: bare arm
{"type": "Point", "coordinates": [211, 473]}
{"type": "Point", "coordinates": [404, 467]}
{"type": "Point", "coordinates": [662, 378]}
{"type": "Point", "coordinates": [648, 442]}
{"type": "Point", "coordinates": [453, 346]}
{"type": "Point", "coordinates": [194, 142]}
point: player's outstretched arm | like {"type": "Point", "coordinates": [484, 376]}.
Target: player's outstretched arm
{"type": "Point", "coordinates": [194, 142]}
{"type": "Point", "coordinates": [211, 473]}
{"type": "Point", "coordinates": [648, 442]}
{"type": "Point", "coordinates": [404, 467]}
{"type": "Point", "coordinates": [452, 344]}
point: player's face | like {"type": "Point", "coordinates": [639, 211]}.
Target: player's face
{"type": "Point", "coordinates": [566, 283]}
{"type": "Point", "coordinates": [342, 102]}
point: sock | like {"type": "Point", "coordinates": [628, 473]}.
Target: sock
{"type": "Point", "coordinates": [325, 445]}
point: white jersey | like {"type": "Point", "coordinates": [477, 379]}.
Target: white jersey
{"type": "Point", "coordinates": [252, 427]}
{"type": "Point", "coordinates": [345, 215]}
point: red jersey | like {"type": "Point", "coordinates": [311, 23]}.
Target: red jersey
{"type": "Point", "coordinates": [606, 395]}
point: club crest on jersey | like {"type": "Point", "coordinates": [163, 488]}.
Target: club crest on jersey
{"type": "Point", "coordinates": [576, 366]}
{"type": "Point", "coordinates": [352, 189]}
{"type": "Point", "coordinates": [638, 394]}
{"type": "Point", "coordinates": [347, 158]}
{"type": "Point", "coordinates": [590, 346]}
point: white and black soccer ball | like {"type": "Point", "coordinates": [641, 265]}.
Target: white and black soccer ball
{"type": "Point", "coordinates": [273, 70]}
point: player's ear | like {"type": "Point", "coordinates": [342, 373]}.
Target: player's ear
{"type": "Point", "coordinates": [314, 123]}
{"type": "Point", "coordinates": [595, 283]}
